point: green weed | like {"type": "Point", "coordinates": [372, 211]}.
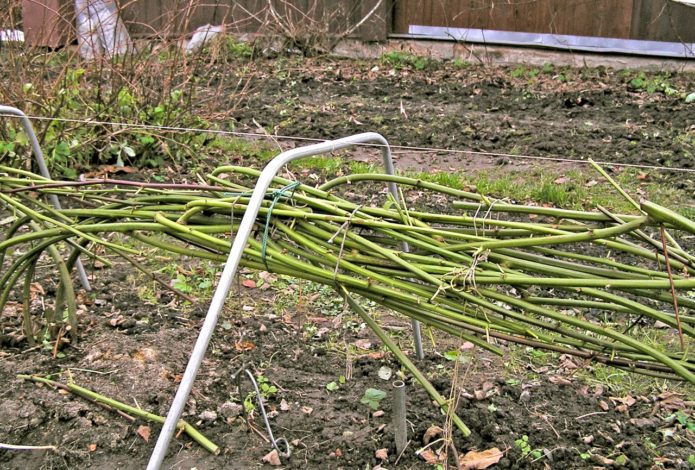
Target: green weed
{"type": "Point", "coordinates": [400, 60]}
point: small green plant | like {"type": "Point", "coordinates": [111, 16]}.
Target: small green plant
{"type": "Point", "coordinates": [400, 60]}
{"type": "Point", "coordinates": [687, 422]}
{"type": "Point", "coordinates": [332, 386]}
{"type": "Point", "coordinates": [658, 84]}
{"type": "Point", "coordinates": [266, 388]}
{"type": "Point", "coordinates": [525, 448]}
{"type": "Point", "coordinates": [372, 397]}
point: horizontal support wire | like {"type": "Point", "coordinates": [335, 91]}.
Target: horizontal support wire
{"type": "Point", "coordinates": [256, 135]}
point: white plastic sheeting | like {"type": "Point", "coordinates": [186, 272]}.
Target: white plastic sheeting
{"type": "Point", "coordinates": [100, 31]}
{"type": "Point", "coordinates": [11, 35]}
{"type": "Point", "coordinates": [557, 41]}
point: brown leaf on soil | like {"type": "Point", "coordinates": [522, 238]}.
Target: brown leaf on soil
{"type": "Point", "coordinates": [272, 458]}
{"type": "Point", "coordinates": [671, 401]}
{"type": "Point", "coordinates": [250, 283]}
{"type": "Point", "coordinates": [479, 460]}
{"type": "Point", "coordinates": [562, 180]}
{"type": "Point", "coordinates": [559, 380]}
{"type": "Point", "coordinates": [643, 176]}
{"type": "Point", "coordinates": [591, 183]}
{"type": "Point", "coordinates": [144, 432]}
{"type": "Point", "coordinates": [363, 344]}
{"type": "Point", "coordinates": [382, 454]}
{"type": "Point", "coordinates": [604, 406]}
{"type": "Point", "coordinates": [627, 401]}
{"type": "Point", "coordinates": [110, 169]}
{"type": "Point", "coordinates": [432, 431]}
{"type": "Point", "coordinates": [307, 410]}
{"type": "Point", "coordinates": [244, 346]}
{"type": "Point", "coordinates": [429, 457]}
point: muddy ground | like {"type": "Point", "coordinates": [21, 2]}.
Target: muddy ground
{"type": "Point", "coordinates": [509, 112]}
{"type": "Point", "coordinates": [135, 339]}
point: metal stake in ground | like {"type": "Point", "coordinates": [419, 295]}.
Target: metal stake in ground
{"type": "Point", "coordinates": [43, 169]}
{"type": "Point", "coordinates": [232, 264]}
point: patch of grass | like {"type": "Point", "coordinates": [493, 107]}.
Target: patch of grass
{"type": "Point", "coordinates": [400, 60]}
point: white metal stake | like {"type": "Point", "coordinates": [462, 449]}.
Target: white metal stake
{"type": "Point", "coordinates": [230, 268]}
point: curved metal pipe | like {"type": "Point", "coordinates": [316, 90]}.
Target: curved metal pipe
{"type": "Point", "coordinates": [230, 268]}
{"type": "Point", "coordinates": [43, 169]}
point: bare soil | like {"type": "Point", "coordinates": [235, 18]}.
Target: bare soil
{"type": "Point", "coordinates": [134, 349]}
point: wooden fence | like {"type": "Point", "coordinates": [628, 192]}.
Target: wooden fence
{"type": "Point", "coordinates": [658, 20]}
{"type": "Point", "coordinates": [174, 17]}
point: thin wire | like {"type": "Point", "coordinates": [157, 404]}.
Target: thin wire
{"type": "Point", "coordinates": [374, 145]}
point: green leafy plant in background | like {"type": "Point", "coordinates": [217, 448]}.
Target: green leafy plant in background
{"type": "Point", "coordinates": [400, 60]}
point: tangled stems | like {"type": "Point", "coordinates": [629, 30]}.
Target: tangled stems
{"type": "Point", "coordinates": [542, 282]}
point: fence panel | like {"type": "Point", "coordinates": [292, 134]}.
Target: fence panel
{"type": "Point", "coordinates": [661, 20]}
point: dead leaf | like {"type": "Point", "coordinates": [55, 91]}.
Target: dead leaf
{"type": "Point", "coordinates": [562, 180]}
{"type": "Point", "coordinates": [307, 410]}
{"type": "Point", "coordinates": [272, 458]}
{"type": "Point", "coordinates": [604, 406]}
{"type": "Point", "coordinates": [92, 447]}
{"type": "Point", "coordinates": [643, 176]}
{"type": "Point", "coordinates": [244, 346]}
{"type": "Point", "coordinates": [382, 454]}
{"type": "Point", "coordinates": [284, 406]}
{"type": "Point", "coordinates": [432, 431]}
{"type": "Point", "coordinates": [110, 169]}
{"type": "Point", "coordinates": [144, 432]}
{"type": "Point", "coordinates": [478, 460]}
{"type": "Point", "coordinates": [559, 380]}
{"type": "Point", "coordinates": [363, 344]}
{"type": "Point", "coordinates": [250, 283]}
{"type": "Point", "coordinates": [591, 183]}
{"type": "Point", "coordinates": [429, 456]}
{"type": "Point", "coordinates": [627, 401]}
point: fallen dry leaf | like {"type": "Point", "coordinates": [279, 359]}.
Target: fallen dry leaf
{"type": "Point", "coordinates": [604, 406]}
{"type": "Point", "coordinates": [144, 432]}
{"type": "Point", "coordinates": [92, 447]}
{"type": "Point", "coordinates": [272, 458]}
{"type": "Point", "coordinates": [307, 410]}
{"type": "Point", "coordinates": [429, 456]}
{"type": "Point", "coordinates": [432, 431]}
{"type": "Point", "coordinates": [284, 406]}
{"type": "Point", "coordinates": [561, 180]}
{"type": "Point", "coordinates": [382, 454]}
{"type": "Point", "coordinates": [244, 346]}
{"type": "Point", "coordinates": [559, 380]}
{"type": "Point", "coordinates": [363, 344]}
{"type": "Point", "coordinates": [474, 460]}
{"type": "Point", "coordinates": [250, 283]}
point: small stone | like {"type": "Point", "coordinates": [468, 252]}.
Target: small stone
{"type": "Point", "coordinates": [525, 396]}
{"type": "Point", "coordinates": [230, 410]}
{"type": "Point", "coordinates": [588, 439]}
{"type": "Point", "coordinates": [208, 415]}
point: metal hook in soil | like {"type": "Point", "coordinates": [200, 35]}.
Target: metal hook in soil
{"type": "Point", "coordinates": [259, 398]}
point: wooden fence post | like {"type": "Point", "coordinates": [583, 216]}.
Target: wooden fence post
{"type": "Point", "coordinates": [378, 26]}
{"type": "Point", "coordinates": [48, 23]}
